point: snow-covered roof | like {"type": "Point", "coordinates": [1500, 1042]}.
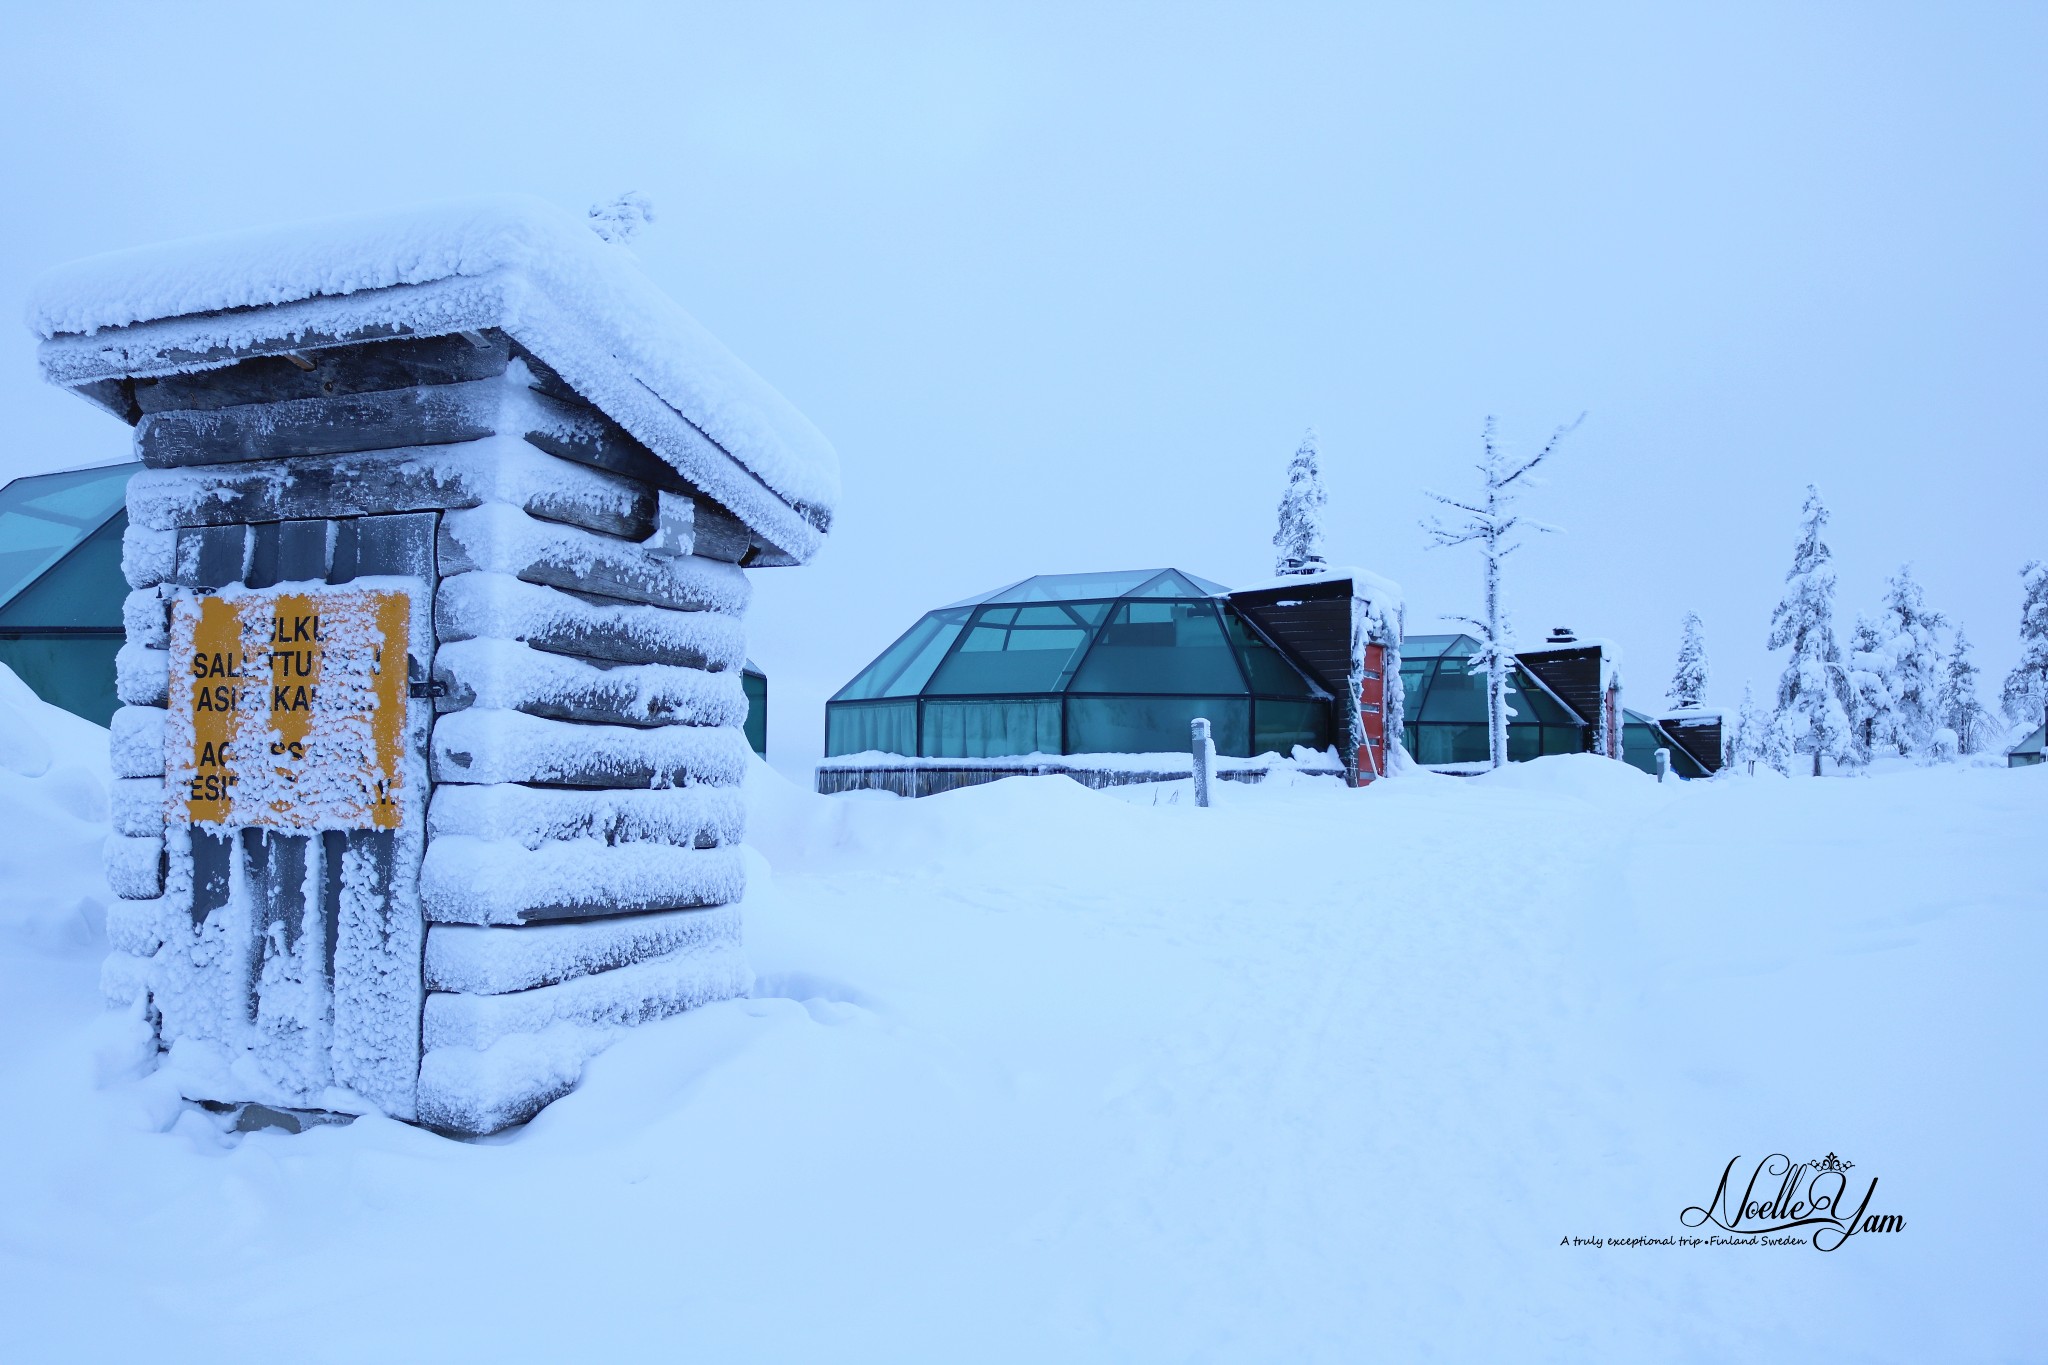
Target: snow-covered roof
{"type": "Point", "coordinates": [579, 303]}
{"type": "Point", "coordinates": [1365, 586]}
{"type": "Point", "coordinates": [1606, 647]}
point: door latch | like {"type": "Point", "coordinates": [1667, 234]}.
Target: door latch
{"type": "Point", "coordinates": [418, 686]}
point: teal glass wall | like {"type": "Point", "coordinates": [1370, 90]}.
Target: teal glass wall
{"type": "Point", "coordinates": [756, 684]}
{"type": "Point", "coordinates": [1642, 737]}
{"type": "Point", "coordinates": [61, 588]}
{"type": "Point", "coordinates": [1445, 707]}
{"type": "Point", "coordinates": [1079, 663]}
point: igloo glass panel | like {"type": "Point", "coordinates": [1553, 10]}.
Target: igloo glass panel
{"type": "Point", "coordinates": [1012, 649]}
{"type": "Point", "coordinates": [1271, 675]}
{"type": "Point", "coordinates": [1154, 725]}
{"type": "Point", "coordinates": [1161, 646]}
{"type": "Point", "coordinates": [1450, 743]}
{"type": "Point", "coordinates": [43, 516]}
{"type": "Point", "coordinates": [1415, 680]}
{"type": "Point", "coordinates": [998, 728]}
{"type": "Point", "coordinates": [1456, 694]}
{"type": "Point", "coordinates": [1173, 583]}
{"type": "Point", "coordinates": [1061, 587]}
{"type": "Point", "coordinates": [1278, 726]}
{"type": "Point", "coordinates": [1534, 704]}
{"type": "Point", "coordinates": [905, 667]}
{"type": "Point", "coordinates": [890, 727]}
{"type": "Point", "coordinates": [1524, 742]}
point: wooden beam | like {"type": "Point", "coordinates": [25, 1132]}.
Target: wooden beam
{"type": "Point", "coordinates": [720, 535]}
{"type": "Point", "coordinates": [423, 416]}
{"type": "Point", "coordinates": [682, 817]}
{"type": "Point", "coordinates": [135, 741]}
{"type": "Point", "coordinates": [496, 606]}
{"type": "Point", "coordinates": [425, 478]}
{"type": "Point", "coordinates": [507, 675]}
{"type": "Point", "coordinates": [580, 433]}
{"type": "Point", "coordinates": [633, 994]}
{"type": "Point", "coordinates": [495, 961]}
{"type": "Point", "coordinates": [480, 745]}
{"type": "Point", "coordinates": [466, 880]}
{"type": "Point", "coordinates": [499, 538]}
{"type": "Point", "coordinates": [404, 363]}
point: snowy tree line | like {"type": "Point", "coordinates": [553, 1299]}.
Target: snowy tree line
{"type": "Point", "coordinates": [1903, 684]}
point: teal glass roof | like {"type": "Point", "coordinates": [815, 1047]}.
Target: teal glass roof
{"type": "Point", "coordinates": [1438, 685]}
{"type": "Point", "coordinates": [1436, 646]}
{"type": "Point", "coordinates": [1149, 632]}
{"type": "Point", "coordinates": [44, 517]}
{"type": "Point", "coordinates": [1069, 587]}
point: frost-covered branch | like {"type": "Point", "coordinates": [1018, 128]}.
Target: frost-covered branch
{"type": "Point", "coordinates": [1491, 523]}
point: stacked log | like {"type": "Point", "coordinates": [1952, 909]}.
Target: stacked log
{"type": "Point", "coordinates": [579, 866]}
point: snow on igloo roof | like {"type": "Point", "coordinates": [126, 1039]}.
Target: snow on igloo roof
{"type": "Point", "coordinates": [581, 304]}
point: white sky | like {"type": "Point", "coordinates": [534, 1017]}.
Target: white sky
{"type": "Point", "coordinates": [1065, 284]}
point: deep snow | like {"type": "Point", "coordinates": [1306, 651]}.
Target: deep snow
{"type": "Point", "coordinates": [1034, 1073]}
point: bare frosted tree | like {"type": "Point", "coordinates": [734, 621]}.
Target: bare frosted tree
{"type": "Point", "coordinates": [1490, 522]}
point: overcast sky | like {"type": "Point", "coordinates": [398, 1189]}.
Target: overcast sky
{"type": "Point", "coordinates": [1064, 285]}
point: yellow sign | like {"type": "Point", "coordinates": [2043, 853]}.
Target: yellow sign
{"type": "Point", "coordinates": [288, 709]}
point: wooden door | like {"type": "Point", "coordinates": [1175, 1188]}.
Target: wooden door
{"type": "Point", "coordinates": [1372, 716]}
{"type": "Point", "coordinates": [295, 795]}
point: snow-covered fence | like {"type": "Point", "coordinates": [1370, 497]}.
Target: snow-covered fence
{"type": "Point", "coordinates": [430, 755]}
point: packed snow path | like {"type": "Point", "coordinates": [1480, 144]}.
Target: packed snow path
{"type": "Point", "coordinates": [1034, 1073]}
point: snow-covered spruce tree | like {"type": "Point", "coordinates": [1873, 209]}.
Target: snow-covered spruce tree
{"type": "Point", "coordinates": [1810, 716]}
{"type": "Point", "coordinates": [1775, 748]}
{"type": "Point", "coordinates": [1913, 663]}
{"type": "Point", "coordinates": [2025, 694]}
{"type": "Point", "coordinates": [1746, 744]}
{"type": "Point", "coordinates": [1958, 707]}
{"type": "Point", "coordinates": [1299, 539]}
{"type": "Point", "coordinates": [622, 217]}
{"type": "Point", "coordinates": [1490, 523]}
{"type": "Point", "coordinates": [1689, 680]}
{"type": "Point", "coordinates": [1873, 715]}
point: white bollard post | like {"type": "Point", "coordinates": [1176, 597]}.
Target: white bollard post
{"type": "Point", "coordinates": [1204, 752]}
{"type": "Point", "coordinates": [1663, 763]}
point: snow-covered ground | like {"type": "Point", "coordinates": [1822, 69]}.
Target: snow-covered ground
{"type": "Point", "coordinates": [1033, 1073]}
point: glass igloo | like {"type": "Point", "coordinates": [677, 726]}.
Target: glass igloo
{"type": "Point", "coordinates": [1079, 664]}
{"type": "Point", "coordinates": [1445, 706]}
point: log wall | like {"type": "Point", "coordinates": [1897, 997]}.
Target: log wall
{"type": "Point", "coordinates": [580, 866]}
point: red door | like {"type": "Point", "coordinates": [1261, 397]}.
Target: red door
{"type": "Point", "coordinates": [1372, 716]}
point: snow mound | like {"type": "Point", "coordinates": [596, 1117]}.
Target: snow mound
{"type": "Point", "coordinates": [1589, 777]}
{"type": "Point", "coordinates": [53, 806]}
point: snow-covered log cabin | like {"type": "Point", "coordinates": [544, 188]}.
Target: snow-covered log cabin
{"type": "Point", "coordinates": [430, 751]}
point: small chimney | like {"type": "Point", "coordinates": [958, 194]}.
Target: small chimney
{"type": "Point", "coordinates": [1561, 635]}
